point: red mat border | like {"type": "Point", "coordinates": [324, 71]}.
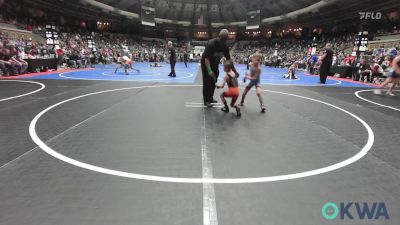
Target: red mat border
{"type": "Point", "coordinates": [344, 79]}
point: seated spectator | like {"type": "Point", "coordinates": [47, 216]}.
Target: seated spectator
{"type": "Point", "coordinates": [393, 52]}
{"type": "Point", "coordinates": [365, 71]}
{"type": "Point", "coordinates": [19, 64]}
{"type": "Point", "coordinates": [386, 63]}
{"type": "Point", "coordinates": [19, 59]}
{"type": "Point", "coordinates": [348, 60]}
{"type": "Point", "coordinates": [6, 65]}
{"type": "Point", "coordinates": [74, 61]}
{"type": "Point", "coordinates": [377, 71]}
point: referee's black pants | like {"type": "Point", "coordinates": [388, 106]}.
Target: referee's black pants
{"type": "Point", "coordinates": [173, 62]}
{"type": "Point", "coordinates": [324, 71]}
{"type": "Point", "coordinates": [209, 84]}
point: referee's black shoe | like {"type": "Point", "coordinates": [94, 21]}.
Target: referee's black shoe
{"type": "Point", "coordinates": [208, 104]}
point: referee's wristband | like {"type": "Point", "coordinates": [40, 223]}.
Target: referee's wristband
{"type": "Point", "coordinates": [209, 70]}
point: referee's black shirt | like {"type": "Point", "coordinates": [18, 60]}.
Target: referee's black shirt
{"type": "Point", "coordinates": [214, 51]}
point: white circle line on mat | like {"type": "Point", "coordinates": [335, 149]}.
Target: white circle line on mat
{"type": "Point", "coordinates": [357, 93]}
{"type": "Point", "coordinates": [148, 80]}
{"type": "Point", "coordinates": [338, 82]}
{"type": "Point", "coordinates": [52, 152]}
{"type": "Point", "coordinates": [42, 86]}
{"type": "Point", "coordinates": [146, 74]}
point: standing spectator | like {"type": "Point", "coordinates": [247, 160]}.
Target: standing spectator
{"type": "Point", "coordinates": [314, 60]}
{"type": "Point", "coordinates": [60, 55]}
{"type": "Point", "coordinates": [172, 59]}
{"type": "Point", "coordinates": [247, 61]}
{"type": "Point", "coordinates": [326, 63]}
{"type": "Point", "coordinates": [185, 58]}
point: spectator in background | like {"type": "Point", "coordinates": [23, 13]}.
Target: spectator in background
{"type": "Point", "coordinates": [20, 59]}
{"type": "Point", "coordinates": [60, 55]}
{"type": "Point", "coordinates": [347, 60]}
{"type": "Point", "coordinates": [386, 63]}
{"type": "Point", "coordinates": [3, 69]}
{"type": "Point", "coordinates": [314, 60]}
{"type": "Point", "coordinates": [191, 57]}
{"type": "Point", "coordinates": [377, 71]}
{"type": "Point", "coordinates": [365, 71]}
{"type": "Point", "coordinates": [172, 58]}
{"type": "Point", "coordinates": [326, 63]}
{"type": "Point", "coordinates": [74, 60]}
{"type": "Point", "coordinates": [393, 52]}
{"type": "Point", "coordinates": [185, 58]}
{"type": "Point", "coordinates": [5, 65]}
{"type": "Point", "coordinates": [5, 59]}
{"type": "Point", "coordinates": [18, 66]}
{"type": "Point", "coordinates": [334, 60]}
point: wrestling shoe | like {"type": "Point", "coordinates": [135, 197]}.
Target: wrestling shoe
{"type": "Point", "coordinates": [263, 109]}
{"type": "Point", "coordinates": [238, 113]}
{"type": "Point", "coordinates": [209, 105]}
{"type": "Point", "coordinates": [225, 109]}
{"type": "Point", "coordinates": [390, 94]}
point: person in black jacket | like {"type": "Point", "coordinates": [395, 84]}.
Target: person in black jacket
{"type": "Point", "coordinates": [172, 58]}
{"type": "Point", "coordinates": [185, 58]}
{"type": "Point", "coordinates": [326, 64]}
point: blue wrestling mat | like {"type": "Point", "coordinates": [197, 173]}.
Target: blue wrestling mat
{"type": "Point", "coordinates": [269, 76]}
{"type": "Point", "coordinates": [146, 74]}
{"type": "Point", "coordinates": [274, 76]}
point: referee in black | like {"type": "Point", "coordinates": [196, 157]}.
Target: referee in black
{"type": "Point", "coordinates": [216, 49]}
{"type": "Point", "coordinates": [326, 64]}
{"type": "Point", "coordinates": [185, 58]}
{"type": "Point", "coordinates": [172, 58]}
